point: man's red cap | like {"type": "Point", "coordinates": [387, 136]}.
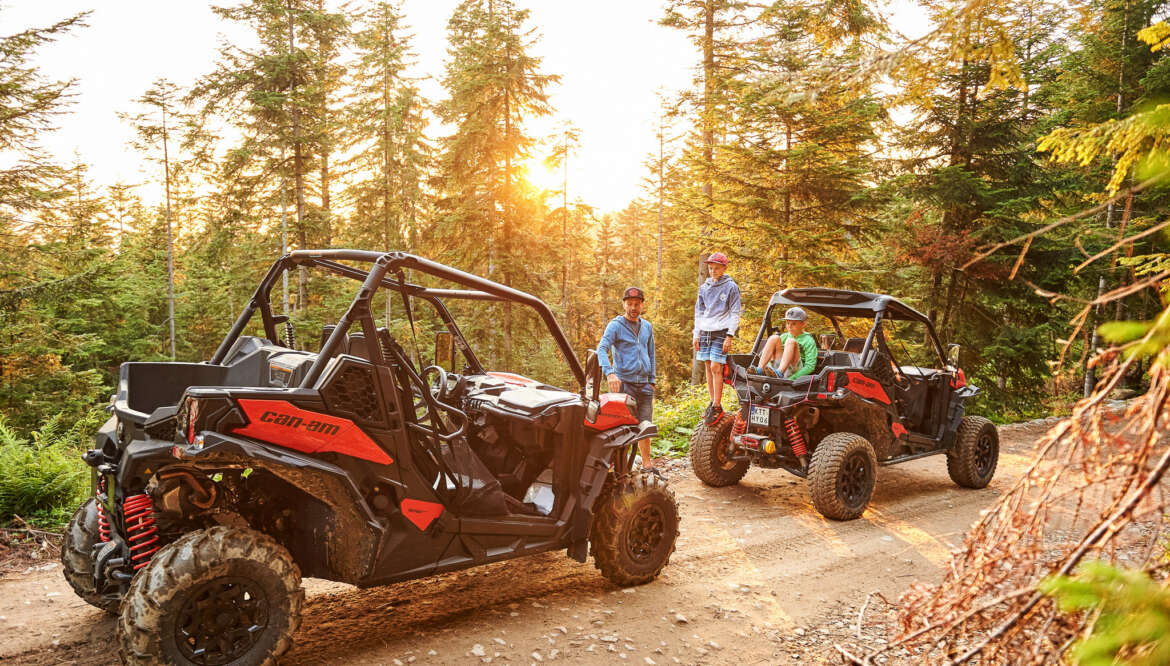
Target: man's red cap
{"type": "Point", "coordinates": [633, 292]}
{"type": "Point", "coordinates": [717, 258]}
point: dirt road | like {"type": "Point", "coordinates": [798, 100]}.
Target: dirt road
{"type": "Point", "coordinates": [758, 577]}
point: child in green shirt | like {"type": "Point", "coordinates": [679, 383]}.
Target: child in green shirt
{"type": "Point", "coordinates": [790, 355]}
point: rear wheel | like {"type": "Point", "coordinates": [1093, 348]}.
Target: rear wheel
{"type": "Point", "coordinates": [635, 525]}
{"type": "Point", "coordinates": [216, 596]}
{"type": "Point", "coordinates": [77, 556]}
{"type": "Point", "coordinates": [971, 462]}
{"type": "Point", "coordinates": [841, 475]}
{"type": "Point", "coordinates": [710, 458]}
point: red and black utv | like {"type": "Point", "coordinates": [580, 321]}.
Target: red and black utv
{"type": "Point", "coordinates": [219, 484]}
{"type": "Point", "coordinates": [886, 396]}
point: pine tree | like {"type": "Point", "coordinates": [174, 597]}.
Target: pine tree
{"type": "Point", "coordinates": [493, 85]}
{"type": "Point", "coordinates": [386, 117]}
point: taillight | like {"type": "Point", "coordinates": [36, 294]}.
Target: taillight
{"type": "Point", "coordinates": [192, 415]}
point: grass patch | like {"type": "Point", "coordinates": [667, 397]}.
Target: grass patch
{"type": "Point", "coordinates": [678, 416]}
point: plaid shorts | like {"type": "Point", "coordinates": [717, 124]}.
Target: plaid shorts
{"type": "Point", "coordinates": [711, 346]}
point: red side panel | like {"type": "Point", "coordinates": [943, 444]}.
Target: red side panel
{"type": "Point", "coordinates": [420, 512]}
{"type": "Point", "coordinates": [614, 412]}
{"type": "Point", "coordinates": [283, 424]}
{"type": "Point", "coordinates": [898, 429]}
{"type": "Point", "coordinates": [865, 387]}
{"type": "Point", "coordinates": [510, 378]}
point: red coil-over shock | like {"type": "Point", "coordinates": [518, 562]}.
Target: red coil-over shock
{"type": "Point", "coordinates": [103, 519]}
{"type": "Point", "coordinates": [795, 437]}
{"type": "Point", "coordinates": [140, 529]}
{"type": "Point", "coordinates": [738, 427]}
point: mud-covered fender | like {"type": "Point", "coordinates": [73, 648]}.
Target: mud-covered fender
{"type": "Point", "coordinates": [346, 545]}
{"type": "Point", "coordinates": [955, 412]}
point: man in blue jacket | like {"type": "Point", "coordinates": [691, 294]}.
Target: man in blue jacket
{"type": "Point", "coordinates": [633, 369]}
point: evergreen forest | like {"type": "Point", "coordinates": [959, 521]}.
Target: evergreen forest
{"type": "Point", "coordinates": [1002, 173]}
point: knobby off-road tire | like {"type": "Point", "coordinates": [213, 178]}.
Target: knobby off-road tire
{"type": "Point", "coordinates": [709, 457]}
{"type": "Point", "coordinates": [635, 525]}
{"type": "Point", "coordinates": [971, 462]}
{"type": "Point", "coordinates": [841, 475]}
{"type": "Point", "coordinates": [232, 592]}
{"type": "Point", "coordinates": [77, 556]}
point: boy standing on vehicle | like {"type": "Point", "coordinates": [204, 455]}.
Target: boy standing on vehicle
{"type": "Point", "coordinates": [790, 355]}
{"type": "Point", "coordinates": [633, 370]}
{"type": "Point", "coordinates": [717, 312]}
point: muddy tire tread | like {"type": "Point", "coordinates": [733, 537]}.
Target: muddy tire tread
{"type": "Point", "coordinates": [177, 565]}
{"type": "Point", "coordinates": [615, 506]}
{"type": "Point", "coordinates": [76, 559]}
{"type": "Point", "coordinates": [827, 459]}
{"type": "Point", "coordinates": [703, 454]}
{"type": "Point", "coordinates": [961, 458]}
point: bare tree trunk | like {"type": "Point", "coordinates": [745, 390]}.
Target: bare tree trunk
{"type": "Point", "coordinates": [298, 174]}
{"type": "Point", "coordinates": [170, 240]}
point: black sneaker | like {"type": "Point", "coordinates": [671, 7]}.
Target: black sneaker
{"type": "Point", "coordinates": [707, 413]}
{"type": "Point", "coordinates": [655, 471]}
{"type": "Point", "coordinates": [714, 413]}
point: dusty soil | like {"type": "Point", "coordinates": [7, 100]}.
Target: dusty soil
{"type": "Point", "coordinates": [759, 577]}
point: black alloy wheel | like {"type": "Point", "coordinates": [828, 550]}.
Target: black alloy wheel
{"type": "Point", "coordinates": [635, 524]}
{"type": "Point", "coordinates": [855, 481]}
{"type": "Point", "coordinates": [972, 460]}
{"type": "Point", "coordinates": [841, 475]}
{"type": "Point", "coordinates": [645, 533]}
{"type": "Point", "coordinates": [986, 453]}
{"type": "Point", "coordinates": [223, 595]}
{"type": "Point", "coordinates": [221, 621]}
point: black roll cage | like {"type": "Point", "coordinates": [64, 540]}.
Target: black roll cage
{"type": "Point", "coordinates": [834, 303]}
{"type": "Point", "coordinates": [359, 311]}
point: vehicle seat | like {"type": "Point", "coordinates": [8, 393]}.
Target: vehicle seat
{"type": "Point", "coordinates": [853, 345]}
{"type": "Point", "coordinates": [357, 346]}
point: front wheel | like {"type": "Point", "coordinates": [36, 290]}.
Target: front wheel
{"type": "Point", "coordinates": [841, 475]}
{"type": "Point", "coordinates": [971, 462]}
{"type": "Point", "coordinates": [710, 459]}
{"type": "Point", "coordinates": [77, 556]}
{"type": "Point", "coordinates": [217, 596]}
{"type": "Point", "coordinates": [635, 525]}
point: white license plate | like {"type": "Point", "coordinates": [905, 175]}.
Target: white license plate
{"type": "Point", "coordinates": [759, 416]}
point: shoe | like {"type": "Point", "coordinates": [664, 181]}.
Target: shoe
{"type": "Point", "coordinates": [755, 370]}
{"type": "Point", "coordinates": [655, 471]}
{"type": "Point", "coordinates": [707, 413]}
{"type": "Point", "coordinates": [771, 372]}
{"type": "Point", "coordinates": [715, 413]}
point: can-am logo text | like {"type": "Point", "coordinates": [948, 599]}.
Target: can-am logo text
{"type": "Point", "coordinates": [294, 422]}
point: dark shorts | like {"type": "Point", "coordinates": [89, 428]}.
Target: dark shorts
{"type": "Point", "coordinates": [643, 395]}
{"type": "Point", "coordinates": [711, 346]}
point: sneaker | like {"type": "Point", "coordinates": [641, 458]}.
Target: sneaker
{"type": "Point", "coordinates": [755, 370]}
{"type": "Point", "coordinates": [715, 413]}
{"type": "Point", "coordinates": [655, 471]}
{"type": "Point", "coordinates": [707, 413]}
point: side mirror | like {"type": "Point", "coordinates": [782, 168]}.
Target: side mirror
{"type": "Point", "coordinates": [953, 355]}
{"type": "Point", "coordinates": [445, 350]}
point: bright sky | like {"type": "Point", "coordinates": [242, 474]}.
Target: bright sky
{"type": "Point", "coordinates": [610, 54]}
{"type": "Point", "coordinates": [612, 57]}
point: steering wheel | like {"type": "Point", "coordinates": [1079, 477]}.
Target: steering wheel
{"type": "Point", "coordinates": [439, 386]}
